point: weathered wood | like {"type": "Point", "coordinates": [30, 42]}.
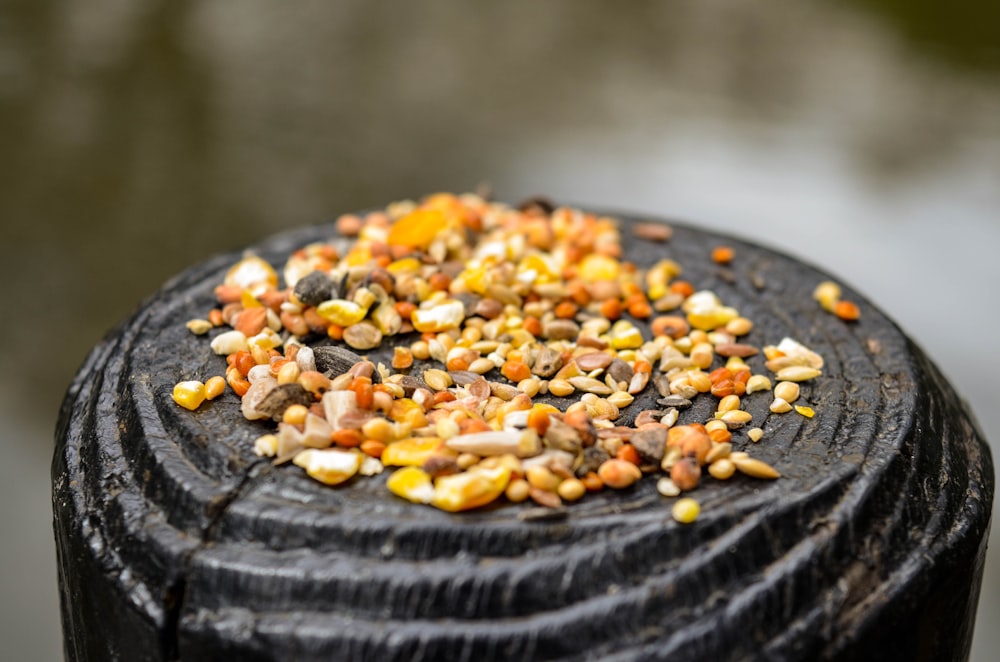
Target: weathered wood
{"type": "Point", "coordinates": [176, 542]}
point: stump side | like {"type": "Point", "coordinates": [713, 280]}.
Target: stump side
{"type": "Point", "coordinates": [175, 541]}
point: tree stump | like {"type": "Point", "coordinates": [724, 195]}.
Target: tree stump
{"type": "Point", "coordinates": [176, 542]}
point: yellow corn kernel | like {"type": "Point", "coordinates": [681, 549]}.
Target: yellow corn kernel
{"type": "Point", "coordinates": [596, 267]}
{"type": "Point", "coordinates": [406, 265]}
{"type": "Point", "coordinates": [626, 338]}
{"type": "Point", "coordinates": [214, 387]}
{"type": "Point", "coordinates": [329, 466]}
{"type": "Point", "coordinates": [472, 489]}
{"type": "Point", "coordinates": [189, 394]}
{"type": "Point", "coordinates": [411, 483]}
{"type": "Point", "coordinates": [295, 415]}
{"type": "Point", "coordinates": [413, 451]}
{"type": "Point", "coordinates": [252, 273]}
{"type": "Point", "coordinates": [199, 327]}
{"type": "Point", "coordinates": [805, 411]}
{"type": "Point", "coordinates": [341, 312]}
{"type": "Point", "coordinates": [440, 317]}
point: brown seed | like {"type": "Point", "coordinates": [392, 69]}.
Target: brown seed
{"type": "Point", "coordinates": [685, 473]}
{"type": "Point", "coordinates": [736, 349]}
{"type": "Point", "coordinates": [545, 497]}
{"type": "Point", "coordinates": [560, 329]}
{"type": "Point", "coordinates": [593, 361]}
{"type": "Point", "coordinates": [488, 308]}
{"type": "Point", "coordinates": [547, 363]}
{"type": "Point", "coordinates": [652, 231]}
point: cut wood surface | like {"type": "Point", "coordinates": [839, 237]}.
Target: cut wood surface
{"type": "Point", "coordinates": [176, 542]}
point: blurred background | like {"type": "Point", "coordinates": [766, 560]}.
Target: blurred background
{"type": "Point", "coordinates": [137, 138]}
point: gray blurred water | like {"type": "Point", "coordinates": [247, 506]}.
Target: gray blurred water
{"type": "Point", "coordinates": [140, 137]}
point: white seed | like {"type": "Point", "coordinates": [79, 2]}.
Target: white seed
{"type": "Point", "coordinates": [667, 487]}
{"type": "Point", "coordinates": [494, 442]}
{"type": "Point", "coordinates": [780, 406]}
{"type": "Point", "coordinates": [482, 366]}
{"type": "Point", "coordinates": [755, 434]}
{"type": "Point", "coordinates": [590, 385]}
{"type": "Point", "coordinates": [797, 373]}
{"type": "Point", "coordinates": [229, 342]}
{"type": "Point", "coordinates": [758, 383]}
{"type": "Point", "coordinates": [266, 445]}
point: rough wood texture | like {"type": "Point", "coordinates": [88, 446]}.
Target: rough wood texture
{"type": "Point", "coordinates": [175, 541]}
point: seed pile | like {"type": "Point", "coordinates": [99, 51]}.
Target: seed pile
{"type": "Point", "coordinates": [488, 307]}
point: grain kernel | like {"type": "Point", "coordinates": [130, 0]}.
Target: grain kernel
{"type": "Point", "coordinates": [214, 387]}
{"type": "Point", "coordinates": [729, 403]}
{"type": "Point", "coordinates": [722, 469]}
{"type": "Point", "coordinates": [787, 391]}
{"type": "Point", "coordinates": [686, 510]}
{"type": "Point", "coordinates": [571, 489]}
{"type": "Point", "coordinates": [758, 383]}
{"type": "Point", "coordinates": [618, 474]}
{"type": "Point", "coordinates": [517, 490]}
{"type": "Point", "coordinates": [295, 415]}
{"type": "Point", "coordinates": [755, 468]}
{"type": "Point", "coordinates": [189, 394]}
{"type": "Point", "coordinates": [667, 487]}
{"type": "Point", "coordinates": [437, 380]}
{"type": "Point", "coordinates": [560, 387]}
{"type": "Point", "coordinates": [780, 406]}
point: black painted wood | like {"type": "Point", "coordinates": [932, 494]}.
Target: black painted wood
{"type": "Point", "coordinates": [176, 542]}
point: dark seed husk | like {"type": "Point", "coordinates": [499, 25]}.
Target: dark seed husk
{"type": "Point", "coordinates": [282, 397]}
{"type": "Point", "coordinates": [464, 377]}
{"type": "Point", "coordinates": [314, 288]}
{"type": "Point", "coordinates": [593, 457]}
{"type": "Point", "coordinates": [620, 371]}
{"type": "Point", "coordinates": [662, 384]}
{"type": "Point", "coordinates": [410, 384]}
{"type": "Point", "coordinates": [334, 361]}
{"type": "Point", "coordinates": [651, 444]}
{"type": "Point", "coordinates": [674, 401]}
{"type": "Point", "coordinates": [543, 514]}
{"type": "Point", "coordinates": [563, 437]}
{"type": "Point", "coordinates": [547, 363]}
